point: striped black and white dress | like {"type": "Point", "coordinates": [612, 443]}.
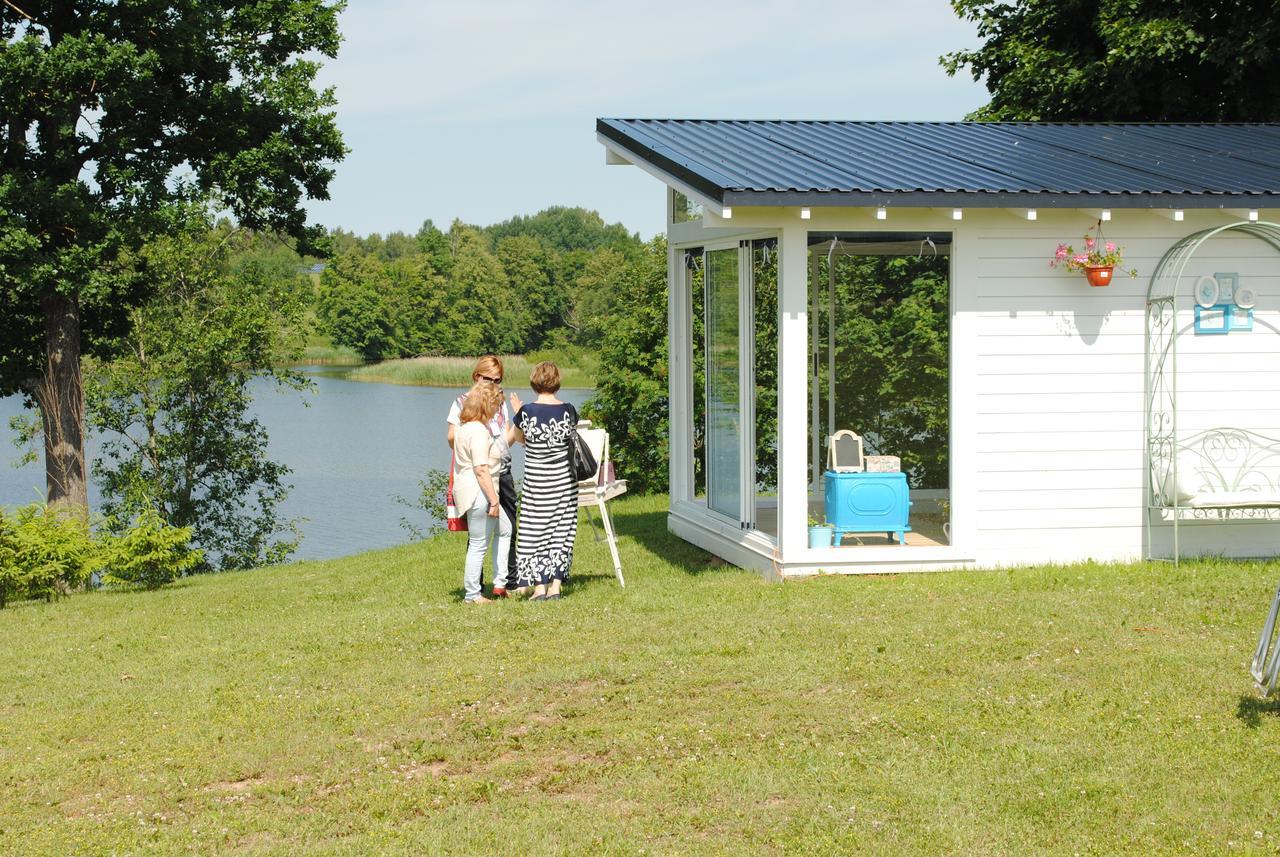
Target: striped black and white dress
{"type": "Point", "coordinates": [549, 499]}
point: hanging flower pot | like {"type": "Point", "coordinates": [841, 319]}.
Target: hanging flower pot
{"type": "Point", "coordinates": [1098, 259]}
{"type": "Point", "coordinates": [1099, 275]}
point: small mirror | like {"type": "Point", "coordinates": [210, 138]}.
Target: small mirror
{"type": "Point", "coordinates": [844, 452]}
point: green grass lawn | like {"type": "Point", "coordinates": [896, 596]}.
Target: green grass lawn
{"type": "Point", "coordinates": [356, 707]}
{"type": "Point", "coordinates": [456, 371]}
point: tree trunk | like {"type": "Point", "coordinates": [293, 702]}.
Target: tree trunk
{"type": "Point", "coordinates": [61, 399]}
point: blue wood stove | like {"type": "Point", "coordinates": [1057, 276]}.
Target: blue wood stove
{"type": "Point", "coordinates": [868, 503]}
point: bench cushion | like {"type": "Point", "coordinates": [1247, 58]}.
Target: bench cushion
{"type": "Point", "coordinates": [1231, 499]}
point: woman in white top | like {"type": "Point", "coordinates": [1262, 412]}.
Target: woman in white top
{"type": "Point", "coordinates": [489, 368]}
{"type": "Point", "coordinates": [475, 456]}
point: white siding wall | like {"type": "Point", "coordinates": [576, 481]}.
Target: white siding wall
{"type": "Point", "coordinates": [1047, 388]}
{"type": "Point", "coordinates": [1057, 440]}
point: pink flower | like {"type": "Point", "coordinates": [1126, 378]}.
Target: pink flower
{"type": "Point", "coordinates": [1062, 251]}
{"type": "Point", "coordinates": [1111, 247]}
{"type": "Point", "coordinates": [1089, 242]}
{"type": "Point", "coordinates": [1082, 259]}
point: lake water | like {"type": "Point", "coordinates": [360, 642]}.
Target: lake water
{"type": "Point", "coordinates": [352, 447]}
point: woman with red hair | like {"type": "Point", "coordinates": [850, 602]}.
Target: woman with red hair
{"type": "Point", "coordinates": [489, 368]}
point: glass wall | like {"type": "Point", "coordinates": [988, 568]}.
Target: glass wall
{"type": "Point", "coordinates": [879, 352]}
{"type": "Point", "coordinates": [733, 331]}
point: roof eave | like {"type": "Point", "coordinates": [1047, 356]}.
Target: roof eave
{"type": "Point", "coordinates": [666, 167]}
{"type": "Point", "coordinates": [989, 199]}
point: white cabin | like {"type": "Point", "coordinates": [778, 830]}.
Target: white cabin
{"type": "Point", "coordinates": [1066, 421]}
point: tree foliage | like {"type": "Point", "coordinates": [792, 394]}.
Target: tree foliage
{"type": "Point", "coordinates": [508, 288]}
{"type": "Point", "coordinates": [352, 308]}
{"type": "Point", "coordinates": [173, 405]}
{"type": "Point", "coordinates": [566, 229]}
{"type": "Point", "coordinates": [150, 553]}
{"type": "Point", "coordinates": [1124, 60]}
{"type": "Point", "coordinates": [112, 111]}
{"type": "Point", "coordinates": [631, 399]}
{"type": "Point", "coordinates": [892, 360]}
{"type": "Point", "coordinates": [427, 506]}
{"type": "Point", "coordinates": [892, 334]}
{"type": "Point", "coordinates": [44, 554]}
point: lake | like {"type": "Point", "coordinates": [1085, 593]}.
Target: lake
{"type": "Point", "coordinates": [352, 447]}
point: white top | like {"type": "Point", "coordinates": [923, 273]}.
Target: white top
{"type": "Point", "coordinates": [472, 445]}
{"type": "Point", "coordinates": [497, 430]}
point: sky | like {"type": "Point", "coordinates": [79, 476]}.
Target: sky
{"type": "Point", "coordinates": [486, 109]}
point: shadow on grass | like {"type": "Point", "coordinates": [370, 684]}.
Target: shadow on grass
{"type": "Point", "coordinates": [1251, 710]}
{"type": "Point", "coordinates": [119, 590]}
{"type": "Point", "coordinates": [649, 529]}
{"type": "Point", "coordinates": [577, 580]}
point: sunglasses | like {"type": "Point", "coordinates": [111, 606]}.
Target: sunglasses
{"type": "Point", "coordinates": [491, 380]}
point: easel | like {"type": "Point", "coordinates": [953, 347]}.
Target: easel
{"type": "Point", "coordinates": [598, 491]}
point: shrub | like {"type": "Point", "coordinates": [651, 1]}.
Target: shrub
{"type": "Point", "coordinates": [430, 500]}
{"type": "Point", "coordinates": [150, 553]}
{"type": "Point", "coordinates": [44, 554]}
{"type": "Point", "coordinates": [7, 560]}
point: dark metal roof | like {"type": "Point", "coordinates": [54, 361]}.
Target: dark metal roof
{"type": "Point", "coordinates": [959, 163]}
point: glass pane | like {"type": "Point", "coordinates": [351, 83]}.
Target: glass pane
{"type": "Point", "coordinates": [764, 256]}
{"type": "Point", "coordinates": [880, 329]}
{"type": "Point", "coordinates": [765, 261]}
{"type": "Point", "coordinates": [683, 209]}
{"type": "Point", "coordinates": [698, 338]}
{"type": "Point", "coordinates": [724, 404]}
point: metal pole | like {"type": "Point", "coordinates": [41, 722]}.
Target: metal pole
{"type": "Point", "coordinates": [831, 345]}
{"type": "Point", "coordinates": [815, 460]}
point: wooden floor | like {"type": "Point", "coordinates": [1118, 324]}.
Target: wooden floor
{"type": "Point", "coordinates": [926, 529]}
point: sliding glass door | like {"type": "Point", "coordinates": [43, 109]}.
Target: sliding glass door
{"type": "Point", "coordinates": [724, 411]}
{"type": "Point", "coordinates": [733, 355]}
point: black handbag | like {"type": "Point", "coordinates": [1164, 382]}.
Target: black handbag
{"type": "Point", "coordinates": [582, 464]}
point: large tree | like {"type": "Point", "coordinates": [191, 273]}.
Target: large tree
{"type": "Point", "coordinates": [631, 398]}
{"type": "Point", "coordinates": [112, 111]}
{"type": "Point", "coordinates": [173, 404]}
{"type": "Point", "coordinates": [1125, 60]}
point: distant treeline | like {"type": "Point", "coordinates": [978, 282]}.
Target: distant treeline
{"type": "Point", "coordinates": [560, 281]}
{"type": "Point", "coordinates": [548, 280]}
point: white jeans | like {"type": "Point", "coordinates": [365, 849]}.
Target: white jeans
{"type": "Point", "coordinates": [481, 530]}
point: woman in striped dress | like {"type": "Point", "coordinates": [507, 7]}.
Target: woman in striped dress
{"type": "Point", "coordinates": [549, 499]}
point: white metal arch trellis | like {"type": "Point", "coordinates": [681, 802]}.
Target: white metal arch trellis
{"type": "Point", "coordinates": [1161, 392]}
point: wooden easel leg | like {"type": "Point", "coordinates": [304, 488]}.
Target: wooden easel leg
{"type": "Point", "coordinates": [595, 534]}
{"type": "Point", "coordinates": [613, 542]}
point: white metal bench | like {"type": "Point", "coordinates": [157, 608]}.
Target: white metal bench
{"type": "Point", "coordinates": [1219, 470]}
{"type": "Point", "coordinates": [601, 489]}
{"type": "Point", "coordinates": [1226, 474]}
